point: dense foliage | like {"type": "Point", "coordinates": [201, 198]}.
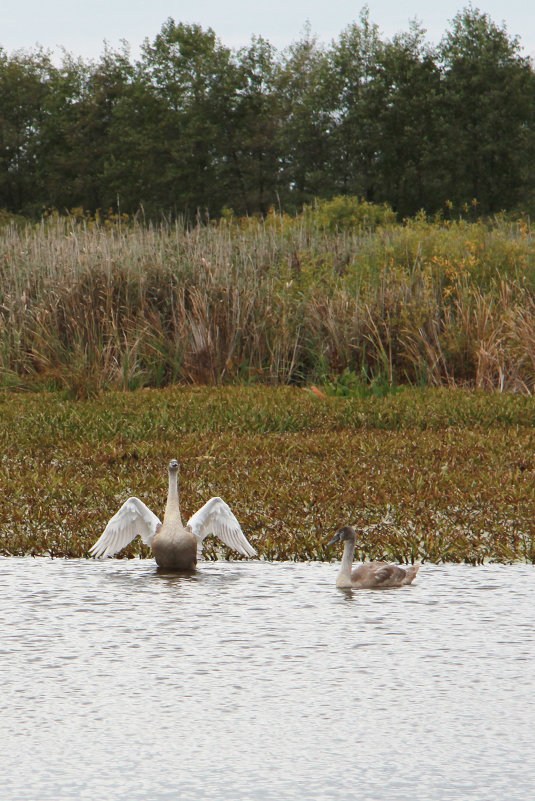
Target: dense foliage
{"type": "Point", "coordinates": [193, 127]}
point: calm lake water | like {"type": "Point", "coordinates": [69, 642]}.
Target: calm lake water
{"type": "Point", "coordinates": [256, 680]}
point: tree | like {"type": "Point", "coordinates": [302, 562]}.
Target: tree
{"type": "Point", "coordinates": [360, 97]}
{"type": "Point", "coordinates": [194, 78]}
{"type": "Point", "coordinates": [488, 106]}
{"type": "Point", "coordinates": [24, 89]}
{"type": "Point", "coordinates": [304, 87]}
{"type": "Point", "coordinates": [77, 146]}
{"type": "Point", "coordinates": [193, 126]}
{"type": "Point", "coordinates": [408, 165]}
{"type": "Point", "coordinates": [253, 146]}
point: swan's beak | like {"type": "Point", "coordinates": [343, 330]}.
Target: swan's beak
{"type": "Point", "coordinates": [334, 540]}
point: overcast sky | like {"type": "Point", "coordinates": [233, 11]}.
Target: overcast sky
{"type": "Point", "coordinates": [82, 27]}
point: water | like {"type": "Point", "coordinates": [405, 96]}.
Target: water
{"type": "Point", "coordinates": [254, 680]}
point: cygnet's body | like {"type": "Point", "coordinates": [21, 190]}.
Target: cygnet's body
{"type": "Point", "coordinates": [175, 546]}
{"type": "Point", "coordinates": [369, 575]}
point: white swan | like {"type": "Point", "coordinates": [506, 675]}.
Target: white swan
{"type": "Point", "coordinates": [370, 575]}
{"type": "Point", "coordinates": [175, 546]}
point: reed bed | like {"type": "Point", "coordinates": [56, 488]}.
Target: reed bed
{"type": "Point", "coordinates": [434, 475]}
{"type": "Point", "coordinates": [87, 306]}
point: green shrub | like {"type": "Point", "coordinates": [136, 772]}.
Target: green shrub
{"type": "Point", "coordinates": [346, 213]}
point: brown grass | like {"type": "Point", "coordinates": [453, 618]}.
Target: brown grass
{"type": "Point", "coordinates": [86, 308]}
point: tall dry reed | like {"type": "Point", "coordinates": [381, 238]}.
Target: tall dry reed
{"type": "Point", "coordinates": [85, 307]}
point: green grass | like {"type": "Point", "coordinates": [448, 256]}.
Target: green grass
{"type": "Point", "coordinates": [435, 475]}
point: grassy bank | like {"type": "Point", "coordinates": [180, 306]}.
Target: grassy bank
{"type": "Point", "coordinates": [337, 290]}
{"type": "Point", "coordinates": [435, 475]}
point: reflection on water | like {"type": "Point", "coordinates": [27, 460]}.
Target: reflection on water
{"type": "Point", "coordinates": [252, 680]}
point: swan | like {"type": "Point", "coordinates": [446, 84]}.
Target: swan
{"type": "Point", "coordinates": [370, 575]}
{"type": "Point", "coordinates": [175, 546]}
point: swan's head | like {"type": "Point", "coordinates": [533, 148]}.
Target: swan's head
{"type": "Point", "coordinates": [343, 534]}
{"type": "Point", "coordinates": [173, 466]}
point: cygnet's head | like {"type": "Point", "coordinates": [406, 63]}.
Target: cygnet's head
{"type": "Point", "coordinates": [173, 466]}
{"type": "Point", "coordinates": [343, 534]}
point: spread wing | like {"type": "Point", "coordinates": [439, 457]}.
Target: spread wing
{"type": "Point", "coordinates": [216, 517]}
{"type": "Point", "coordinates": [133, 519]}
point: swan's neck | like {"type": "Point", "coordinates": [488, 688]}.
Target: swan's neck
{"type": "Point", "coordinates": [172, 509]}
{"type": "Point", "coordinates": [344, 577]}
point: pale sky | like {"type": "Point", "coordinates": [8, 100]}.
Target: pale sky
{"type": "Point", "coordinates": [82, 27]}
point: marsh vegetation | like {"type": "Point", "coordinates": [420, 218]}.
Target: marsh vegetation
{"type": "Point", "coordinates": [339, 294]}
{"type": "Point", "coordinates": [434, 475]}
{"type": "Point", "coordinates": [324, 368]}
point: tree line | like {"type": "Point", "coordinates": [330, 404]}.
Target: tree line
{"type": "Point", "coordinates": [192, 126]}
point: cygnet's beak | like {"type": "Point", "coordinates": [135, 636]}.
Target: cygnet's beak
{"type": "Point", "coordinates": [334, 540]}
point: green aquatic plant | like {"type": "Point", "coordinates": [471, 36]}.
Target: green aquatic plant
{"type": "Point", "coordinates": [431, 475]}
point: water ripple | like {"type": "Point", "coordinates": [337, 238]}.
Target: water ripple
{"type": "Point", "coordinates": [255, 680]}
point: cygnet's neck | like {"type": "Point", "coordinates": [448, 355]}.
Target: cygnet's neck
{"type": "Point", "coordinates": [172, 508]}
{"type": "Point", "coordinates": [344, 577]}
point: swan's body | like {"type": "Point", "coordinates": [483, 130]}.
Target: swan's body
{"type": "Point", "coordinates": [175, 546]}
{"type": "Point", "coordinates": [370, 575]}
